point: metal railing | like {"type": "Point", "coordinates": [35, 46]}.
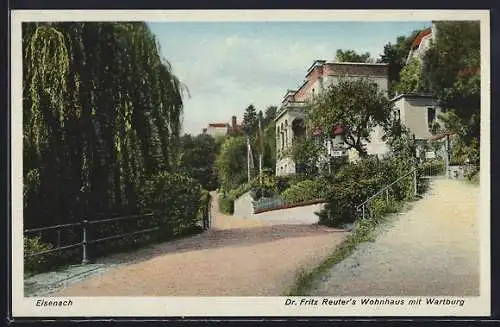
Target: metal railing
{"type": "Point", "coordinates": [385, 191]}
{"type": "Point", "coordinates": [86, 224]}
{"type": "Point", "coordinates": [433, 169]}
{"type": "Point", "coordinates": [267, 203]}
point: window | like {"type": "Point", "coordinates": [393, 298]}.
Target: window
{"type": "Point", "coordinates": [397, 115]}
{"type": "Point", "coordinates": [431, 116]}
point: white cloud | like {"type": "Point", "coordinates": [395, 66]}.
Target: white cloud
{"type": "Point", "coordinates": [225, 75]}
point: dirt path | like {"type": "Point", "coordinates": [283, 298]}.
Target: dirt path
{"type": "Point", "coordinates": [239, 257]}
{"type": "Point", "coordinates": [431, 250]}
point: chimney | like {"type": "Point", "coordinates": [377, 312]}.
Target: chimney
{"type": "Point", "coordinates": [233, 123]}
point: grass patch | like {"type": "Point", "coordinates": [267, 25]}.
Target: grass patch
{"type": "Point", "coordinates": [473, 179]}
{"type": "Point", "coordinates": [364, 231]}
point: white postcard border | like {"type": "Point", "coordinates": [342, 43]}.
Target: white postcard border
{"type": "Point", "coordinates": [238, 306]}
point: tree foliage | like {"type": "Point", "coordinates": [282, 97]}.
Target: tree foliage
{"type": "Point", "coordinates": [357, 104]}
{"type": "Point", "coordinates": [250, 120]}
{"type": "Point", "coordinates": [197, 159]}
{"type": "Point", "coordinates": [102, 114]}
{"type": "Point", "coordinates": [395, 54]}
{"type": "Point", "coordinates": [410, 78]}
{"type": "Point", "coordinates": [270, 115]}
{"type": "Point", "coordinates": [269, 159]}
{"type": "Point", "coordinates": [231, 163]}
{"type": "Point", "coordinates": [451, 72]}
{"type": "Point", "coordinates": [305, 153]}
{"type": "Point", "coordinates": [352, 56]}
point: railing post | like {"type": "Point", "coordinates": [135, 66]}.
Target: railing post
{"type": "Point", "coordinates": [85, 259]}
{"type": "Point", "coordinates": [415, 182]}
{"type": "Point", "coordinates": [387, 196]}
{"type": "Point", "coordinates": [363, 209]}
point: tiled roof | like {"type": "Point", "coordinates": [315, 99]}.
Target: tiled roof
{"type": "Point", "coordinates": [440, 136]}
{"type": "Point", "coordinates": [218, 125]}
{"type": "Point", "coordinates": [420, 36]}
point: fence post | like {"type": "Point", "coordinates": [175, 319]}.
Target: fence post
{"type": "Point", "coordinates": [85, 259]}
{"type": "Point", "coordinates": [387, 196]}
{"type": "Point", "coordinates": [415, 182]}
{"type": "Point", "coordinates": [363, 209]}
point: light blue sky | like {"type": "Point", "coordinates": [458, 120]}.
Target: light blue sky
{"type": "Point", "coordinates": [228, 66]}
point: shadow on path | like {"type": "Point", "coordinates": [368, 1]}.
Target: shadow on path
{"type": "Point", "coordinates": [219, 238]}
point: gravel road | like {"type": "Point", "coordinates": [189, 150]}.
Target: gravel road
{"type": "Point", "coordinates": [433, 249]}
{"type": "Point", "coordinates": [239, 257]}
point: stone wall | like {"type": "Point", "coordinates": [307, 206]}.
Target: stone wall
{"type": "Point", "coordinates": [299, 215]}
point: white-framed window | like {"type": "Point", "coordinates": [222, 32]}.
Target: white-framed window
{"type": "Point", "coordinates": [431, 116]}
{"type": "Point", "coordinates": [397, 114]}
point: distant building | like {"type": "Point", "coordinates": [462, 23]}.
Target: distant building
{"type": "Point", "coordinates": [235, 128]}
{"type": "Point", "coordinates": [290, 116]}
{"type": "Point", "coordinates": [217, 129]}
{"type": "Point", "coordinates": [222, 129]}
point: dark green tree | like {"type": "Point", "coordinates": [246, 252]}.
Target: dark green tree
{"type": "Point", "coordinates": [356, 104]}
{"type": "Point", "coordinates": [197, 159]}
{"type": "Point", "coordinates": [250, 120]}
{"type": "Point", "coordinates": [270, 115]}
{"type": "Point", "coordinates": [451, 72]}
{"type": "Point", "coordinates": [352, 56]}
{"type": "Point", "coordinates": [231, 163]}
{"type": "Point", "coordinates": [395, 54]}
{"type": "Point", "coordinates": [101, 115]}
{"type": "Point", "coordinates": [410, 78]}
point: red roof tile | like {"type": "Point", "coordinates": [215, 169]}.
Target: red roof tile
{"type": "Point", "coordinates": [218, 125]}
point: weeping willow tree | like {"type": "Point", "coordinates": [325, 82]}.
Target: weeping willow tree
{"type": "Point", "coordinates": [102, 113]}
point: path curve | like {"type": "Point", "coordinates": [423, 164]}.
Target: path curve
{"type": "Point", "coordinates": [238, 257]}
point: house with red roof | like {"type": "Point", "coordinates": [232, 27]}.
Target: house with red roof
{"type": "Point", "coordinates": [222, 129]}
{"type": "Point", "coordinates": [421, 43]}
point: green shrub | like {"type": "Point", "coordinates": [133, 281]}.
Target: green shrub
{"type": "Point", "coordinates": [265, 188]}
{"type": "Point", "coordinates": [205, 199]}
{"type": "Point", "coordinates": [240, 190]}
{"type": "Point", "coordinates": [473, 176]}
{"type": "Point", "coordinates": [378, 207]}
{"type": "Point", "coordinates": [432, 167]}
{"type": "Point", "coordinates": [37, 263]}
{"type": "Point", "coordinates": [284, 182]}
{"type": "Point", "coordinates": [354, 183]}
{"type": "Point", "coordinates": [305, 191]}
{"type": "Point", "coordinates": [226, 205]}
{"type": "Point", "coordinates": [226, 199]}
{"type": "Point", "coordinates": [175, 200]}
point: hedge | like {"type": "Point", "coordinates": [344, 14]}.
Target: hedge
{"type": "Point", "coordinates": [354, 183]}
{"type": "Point", "coordinates": [305, 191]}
{"type": "Point", "coordinates": [176, 201]}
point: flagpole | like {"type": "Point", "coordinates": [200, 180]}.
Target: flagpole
{"type": "Point", "coordinates": [261, 141]}
{"type": "Point", "coordinates": [248, 158]}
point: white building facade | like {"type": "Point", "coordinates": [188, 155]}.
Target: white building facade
{"type": "Point", "coordinates": [290, 117]}
{"type": "Point", "coordinates": [418, 112]}
{"type": "Point", "coordinates": [422, 43]}
{"type": "Point", "coordinates": [217, 129]}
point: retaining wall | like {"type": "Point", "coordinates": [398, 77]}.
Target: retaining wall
{"type": "Point", "coordinates": [298, 215]}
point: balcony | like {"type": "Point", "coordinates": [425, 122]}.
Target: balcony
{"type": "Point", "coordinates": [289, 105]}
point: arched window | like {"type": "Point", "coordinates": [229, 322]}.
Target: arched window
{"type": "Point", "coordinates": [282, 137]}
{"type": "Point", "coordinates": [286, 133]}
